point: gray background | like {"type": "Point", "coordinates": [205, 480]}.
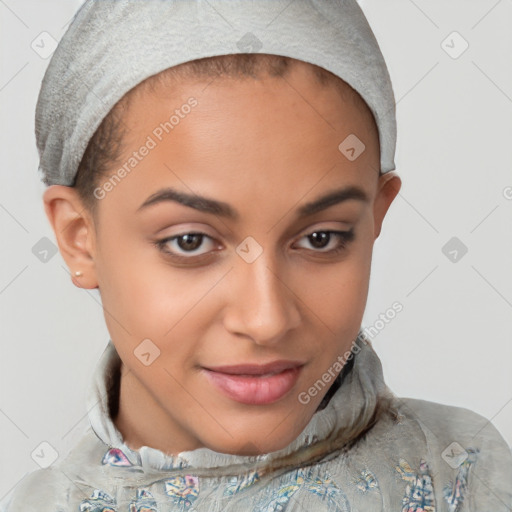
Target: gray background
{"type": "Point", "coordinates": [451, 343]}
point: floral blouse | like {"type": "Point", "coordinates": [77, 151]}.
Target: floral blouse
{"type": "Point", "coordinates": [432, 458]}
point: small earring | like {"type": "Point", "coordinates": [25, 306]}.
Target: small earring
{"type": "Point", "coordinates": [78, 273]}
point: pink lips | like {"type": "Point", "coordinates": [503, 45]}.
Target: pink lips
{"type": "Point", "coordinates": [255, 384]}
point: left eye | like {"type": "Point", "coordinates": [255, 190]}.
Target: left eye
{"type": "Point", "coordinates": [322, 239]}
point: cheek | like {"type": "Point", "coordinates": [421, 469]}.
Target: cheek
{"type": "Point", "coordinates": [144, 297]}
{"type": "Point", "coordinates": [337, 293]}
{"type": "Point", "coordinates": [336, 314]}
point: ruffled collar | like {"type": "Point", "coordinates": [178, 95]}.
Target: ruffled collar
{"type": "Point", "coordinates": [359, 384]}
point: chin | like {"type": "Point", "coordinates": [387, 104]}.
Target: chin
{"type": "Point", "coordinates": [257, 431]}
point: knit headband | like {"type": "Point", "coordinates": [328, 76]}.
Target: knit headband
{"type": "Point", "coordinates": [113, 45]}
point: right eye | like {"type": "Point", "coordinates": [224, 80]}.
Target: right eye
{"type": "Point", "coordinates": [185, 242]}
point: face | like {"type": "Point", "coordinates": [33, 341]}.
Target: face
{"type": "Point", "coordinates": [230, 284]}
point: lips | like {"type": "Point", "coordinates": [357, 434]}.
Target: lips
{"type": "Point", "coordinates": [255, 384]}
{"type": "Point", "coordinates": [256, 369]}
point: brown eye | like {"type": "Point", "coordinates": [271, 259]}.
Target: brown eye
{"type": "Point", "coordinates": [336, 240]}
{"type": "Point", "coordinates": [319, 239]}
{"type": "Point", "coordinates": [190, 241]}
{"type": "Point", "coordinates": [184, 246]}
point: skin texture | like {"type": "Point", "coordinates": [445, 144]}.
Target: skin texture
{"type": "Point", "coordinates": [266, 147]}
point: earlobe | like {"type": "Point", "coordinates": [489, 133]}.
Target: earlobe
{"type": "Point", "coordinates": [74, 232]}
{"type": "Point", "coordinates": [388, 188]}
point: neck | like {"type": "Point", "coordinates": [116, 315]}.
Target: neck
{"type": "Point", "coordinates": [143, 422]}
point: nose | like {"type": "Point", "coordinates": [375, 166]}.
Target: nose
{"type": "Point", "coordinates": [261, 306]}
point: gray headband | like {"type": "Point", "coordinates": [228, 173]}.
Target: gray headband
{"type": "Point", "coordinates": [113, 45]}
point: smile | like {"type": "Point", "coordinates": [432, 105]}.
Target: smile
{"type": "Point", "coordinates": [255, 384]}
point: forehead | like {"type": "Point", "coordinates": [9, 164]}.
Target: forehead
{"type": "Point", "coordinates": [233, 68]}
{"type": "Point", "coordinates": [272, 137]}
{"type": "Point", "coordinates": [300, 84]}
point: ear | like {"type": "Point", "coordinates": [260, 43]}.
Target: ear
{"type": "Point", "coordinates": [388, 187]}
{"type": "Point", "coordinates": [74, 232]}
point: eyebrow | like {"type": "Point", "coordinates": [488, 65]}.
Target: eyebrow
{"type": "Point", "coordinates": [212, 206]}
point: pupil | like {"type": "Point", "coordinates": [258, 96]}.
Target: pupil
{"type": "Point", "coordinates": [188, 241]}
{"type": "Point", "coordinates": [318, 238]}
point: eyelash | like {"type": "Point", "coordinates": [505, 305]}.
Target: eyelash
{"type": "Point", "coordinates": [345, 237]}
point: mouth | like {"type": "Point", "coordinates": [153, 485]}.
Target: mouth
{"type": "Point", "coordinates": [255, 384]}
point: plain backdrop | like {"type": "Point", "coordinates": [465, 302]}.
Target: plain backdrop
{"type": "Point", "coordinates": [444, 253]}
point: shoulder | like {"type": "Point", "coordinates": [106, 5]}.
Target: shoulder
{"type": "Point", "coordinates": [38, 490]}
{"type": "Point", "coordinates": [466, 447]}
{"type": "Point", "coordinates": [449, 421]}
{"type": "Point", "coordinates": [52, 489]}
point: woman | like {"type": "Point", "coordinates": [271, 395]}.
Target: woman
{"type": "Point", "coordinates": [223, 192]}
